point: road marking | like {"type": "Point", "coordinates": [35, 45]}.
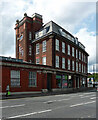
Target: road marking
{"type": "Point", "coordinates": [81, 95]}
{"type": "Point", "coordinates": [89, 102]}
{"type": "Point", "coordinates": [89, 93]}
{"type": "Point", "coordinates": [30, 114]}
{"type": "Point", "coordinates": [82, 104]}
{"type": "Point", "coordinates": [76, 105]}
{"type": "Point", "coordinates": [63, 99]}
{"type": "Point", "coordinates": [55, 100]}
{"type": "Point", "coordinates": [93, 98]}
{"type": "Point", "coordinates": [87, 96]}
{"type": "Point", "coordinates": [67, 95]}
{"type": "Point", "coordinates": [13, 106]}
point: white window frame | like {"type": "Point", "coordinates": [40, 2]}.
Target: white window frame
{"type": "Point", "coordinates": [85, 58]}
{"type": "Point", "coordinates": [79, 55]}
{"type": "Point", "coordinates": [15, 78]}
{"type": "Point", "coordinates": [76, 53]}
{"type": "Point", "coordinates": [37, 48]}
{"type": "Point", "coordinates": [82, 56]}
{"type": "Point", "coordinates": [57, 61]}
{"type": "Point", "coordinates": [82, 68]}
{"type": "Point", "coordinates": [57, 44]}
{"type": "Point", "coordinates": [21, 50]}
{"type": "Point", "coordinates": [37, 60]}
{"type": "Point", "coordinates": [68, 49]}
{"type": "Point", "coordinates": [73, 65]}
{"type": "Point", "coordinates": [69, 64]}
{"type": "Point", "coordinates": [63, 47]}
{"type": "Point", "coordinates": [30, 36]}
{"type": "Point", "coordinates": [30, 50]}
{"type": "Point", "coordinates": [76, 66]}
{"type": "Point", "coordinates": [79, 67]}
{"type": "Point", "coordinates": [73, 51]}
{"type": "Point", "coordinates": [44, 46]}
{"type": "Point", "coordinates": [32, 79]}
{"type": "Point", "coordinates": [44, 60]}
{"type": "Point", "coordinates": [63, 63]}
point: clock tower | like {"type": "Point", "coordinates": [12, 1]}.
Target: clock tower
{"type": "Point", "coordinates": [25, 33]}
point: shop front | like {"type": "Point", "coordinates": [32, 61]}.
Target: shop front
{"type": "Point", "coordinates": [58, 80]}
{"type": "Point", "coordinates": [62, 81]}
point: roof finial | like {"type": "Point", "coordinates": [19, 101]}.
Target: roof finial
{"type": "Point", "coordinates": [25, 14]}
{"type": "Point", "coordinates": [17, 21]}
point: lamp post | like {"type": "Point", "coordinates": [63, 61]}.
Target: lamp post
{"type": "Point", "coordinates": [93, 78]}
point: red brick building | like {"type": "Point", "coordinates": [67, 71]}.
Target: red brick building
{"type": "Point", "coordinates": [48, 56]}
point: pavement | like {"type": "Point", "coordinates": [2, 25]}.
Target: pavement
{"type": "Point", "coordinates": [75, 106]}
{"type": "Point", "coordinates": [37, 94]}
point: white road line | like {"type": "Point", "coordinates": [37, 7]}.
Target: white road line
{"type": "Point", "coordinates": [89, 93]}
{"type": "Point", "coordinates": [88, 96]}
{"type": "Point", "coordinates": [81, 95]}
{"type": "Point", "coordinates": [76, 105]}
{"type": "Point", "coordinates": [63, 99]}
{"type": "Point", "coordinates": [13, 106]}
{"type": "Point", "coordinates": [93, 98]}
{"type": "Point", "coordinates": [67, 95]}
{"type": "Point", "coordinates": [82, 104]}
{"type": "Point", "coordinates": [30, 114]}
{"type": "Point", "coordinates": [55, 100]}
{"type": "Point", "coordinates": [89, 102]}
{"type": "Point", "coordinates": [50, 101]}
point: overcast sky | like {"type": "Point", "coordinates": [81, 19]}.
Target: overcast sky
{"type": "Point", "coordinates": [79, 18]}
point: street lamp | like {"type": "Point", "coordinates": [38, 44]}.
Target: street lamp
{"type": "Point", "coordinates": [93, 78]}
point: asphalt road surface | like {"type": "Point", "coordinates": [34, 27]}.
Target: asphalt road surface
{"type": "Point", "coordinates": [76, 105]}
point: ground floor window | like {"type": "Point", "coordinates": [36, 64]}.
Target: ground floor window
{"type": "Point", "coordinates": [15, 78]}
{"type": "Point", "coordinates": [61, 81]}
{"type": "Point", "coordinates": [58, 81]}
{"type": "Point", "coordinates": [64, 81]}
{"type": "Point", "coordinates": [32, 79]}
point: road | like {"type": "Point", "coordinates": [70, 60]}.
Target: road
{"type": "Point", "coordinates": [76, 105]}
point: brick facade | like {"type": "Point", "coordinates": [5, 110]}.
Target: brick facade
{"type": "Point", "coordinates": [30, 32]}
{"type": "Point", "coordinates": [41, 77]}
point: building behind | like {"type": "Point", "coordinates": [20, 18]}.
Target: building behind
{"type": "Point", "coordinates": [60, 54]}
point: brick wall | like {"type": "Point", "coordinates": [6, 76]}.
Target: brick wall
{"type": "Point", "coordinates": [24, 80]}
{"type": "Point", "coordinates": [27, 25]}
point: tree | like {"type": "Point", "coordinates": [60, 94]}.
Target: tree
{"type": "Point", "coordinates": [95, 76]}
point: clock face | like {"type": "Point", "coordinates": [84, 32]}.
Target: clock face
{"type": "Point", "coordinates": [21, 37]}
{"type": "Point", "coordinates": [21, 50]}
